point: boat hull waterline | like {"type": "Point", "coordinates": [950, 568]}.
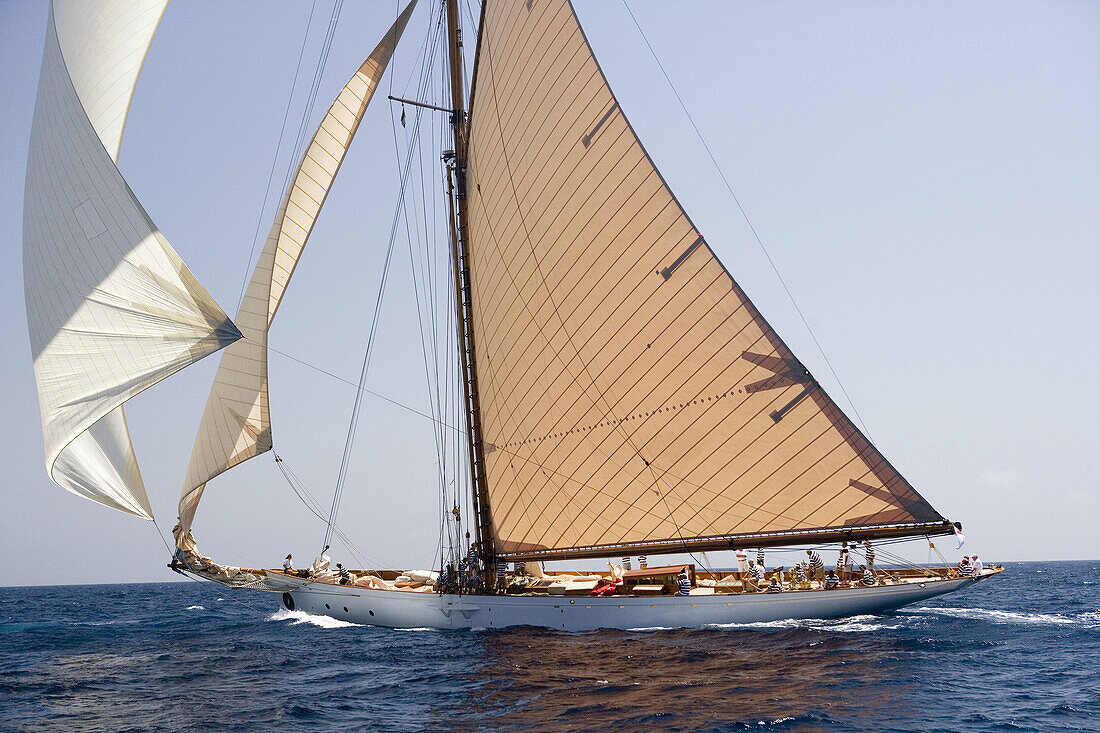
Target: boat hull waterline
{"type": "Point", "coordinates": [398, 610]}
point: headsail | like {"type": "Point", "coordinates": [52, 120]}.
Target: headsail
{"type": "Point", "coordinates": [631, 394]}
{"type": "Point", "coordinates": [111, 308]}
{"type": "Point", "coordinates": [235, 424]}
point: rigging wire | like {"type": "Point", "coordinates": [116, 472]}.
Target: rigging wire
{"type": "Point", "coordinates": [275, 158]}
{"type": "Point", "coordinates": [369, 350]}
{"type": "Point", "coordinates": [350, 383]}
{"type": "Point", "coordinates": [307, 113]}
{"type": "Point", "coordinates": [752, 228]}
{"type": "Point", "coordinates": [197, 580]}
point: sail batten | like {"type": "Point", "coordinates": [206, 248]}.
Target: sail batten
{"type": "Point", "coordinates": [111, 308]}
{"type": "Point", "coordinates": [631, 393]}
{"type": "Point", "coordinates": [236, 423]}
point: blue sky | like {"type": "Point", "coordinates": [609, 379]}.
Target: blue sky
{"type": "Point", "coordinates": [924, 175]}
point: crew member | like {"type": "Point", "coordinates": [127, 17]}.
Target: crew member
{"type": "Point", "coordinates": [817, 567]}
{"type": "Point", "coordinates": [288, 565]}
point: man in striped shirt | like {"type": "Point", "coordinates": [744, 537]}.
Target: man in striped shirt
{"type": "Point", "coordinates": [869, 552]}
{"type": "Point", "coordinates": [817, 567]}
{"type": "Point", "coordinates": [757, 573]}
{"type": "Point", "coordinates": [868, 576]}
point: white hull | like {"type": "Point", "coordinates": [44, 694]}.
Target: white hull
{"type": "Point", "coordinates": [395, 609]}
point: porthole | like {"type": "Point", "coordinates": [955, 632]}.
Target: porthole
{"type": "Point", "coordinates": [328, 607]}
{"type": "Point", "coordinates": [288, 601]}
{"type": "Point", "coordinates": [371, 612]}
{"type": "Point", "coordinates": [345, 609]}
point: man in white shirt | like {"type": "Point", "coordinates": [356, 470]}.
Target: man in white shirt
{"type": "Point", "coordinates": [742, 563]}
{"type": "Point", "coordinates": [976, 562]}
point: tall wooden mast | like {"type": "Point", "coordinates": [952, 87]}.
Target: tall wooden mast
{"type": "Point", "coordinates": [467, 359]}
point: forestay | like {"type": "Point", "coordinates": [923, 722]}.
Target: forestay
{"type": "Point", "coordinates": [631, 394]}
{"type": "Point", "coordinates": [236, 424]}
{"type": "Point", "coordinates": [111, 308]}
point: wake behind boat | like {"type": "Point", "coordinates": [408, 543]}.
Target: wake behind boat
{"type": "Point", "coordinates": [603, 388]}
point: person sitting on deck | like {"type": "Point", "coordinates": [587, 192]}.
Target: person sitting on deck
{"type": "Point", "coordinates": [756, 573]}
{"type": "Point", "coordinates": [774, 585]}
{"type": "Point", "coordinates": [288, 565]}
{"type": "Point", "coordinates": [800, 575]}
{"type": "Point", "coordinates": [832, 581]}
{"type": "Point", "coordinates": [685, 584]}
{"type": "Point", "coordinates": [966, 570]}
{"type": "Point", "coordinates": [817, 567]}
{"type": "Point", "coordinates": [977, 564]}
{"type": "Point", "coordinates": [345, 576]}
{"type": "Point", "coordinates": [868, 576]}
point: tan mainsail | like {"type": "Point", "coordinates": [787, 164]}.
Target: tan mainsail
{"type": "Point", "coordinates": [111, 308]}
{"type": "Point", "coordinates": [235, 424]}
{"type": "Point", "coordinates": [631, 394]}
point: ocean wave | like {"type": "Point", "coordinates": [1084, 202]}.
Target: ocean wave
{"type": "Point", "coordinates": [1087, 618]}
{"type": "Point", "coordinates": [195, 608]}
{"type": "Point", "coordinates": [301, 617]}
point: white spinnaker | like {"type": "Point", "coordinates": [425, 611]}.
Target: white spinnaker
{"type": "Point", "coordinates": [236, 424]}
{"type": "Point", "coordinates": [111, 308]}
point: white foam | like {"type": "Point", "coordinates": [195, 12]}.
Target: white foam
{"type": "Point", "coordinates": [844, 625]}
{"type": "Point", "coordinates": [1011, 617]}
{"type": "Point", "coordinates": [301, 617]}
{"type": "Point", "coordinates": [195, 608]}
{"type": "Point", "coordinates": [412, 628]}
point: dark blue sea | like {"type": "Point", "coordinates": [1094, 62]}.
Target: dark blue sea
{"type": "Point", "coordinates": [1019, 652]}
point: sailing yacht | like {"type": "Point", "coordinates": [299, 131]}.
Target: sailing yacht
{"type": "Point", "coordinates": [619, 394]}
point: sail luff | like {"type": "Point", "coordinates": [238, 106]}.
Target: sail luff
{"type": "Point", "coordinates": [632, 393]}
{"type": "Point", "coordinates": [236, 423]}
{"type": "Point", "coordinates": [464, 298]}
{"type": "Point", "coordinates": [111, 308]}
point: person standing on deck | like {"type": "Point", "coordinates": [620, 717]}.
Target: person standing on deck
{"type": "Point", "coordinates": [685, 583]}
{"type": "Point", "coordinates": [849, 571]}
{"type": "Point", "coordinates": [976, 562]}
{"type": "Point", "coordinates": [868, 576]}
{"type": "Point", "coordinates": [842, 560]}
{"type": "Point", "coordinates": [869, 552]}
{"type": "Point", "coordinates": [288, 565]}
{"type": "Point", "coordinates": [817, 567]}
{"type": "Point", "coordinates": [742, 564]}
{"type": "Point", "coordinates": [760, 557]}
